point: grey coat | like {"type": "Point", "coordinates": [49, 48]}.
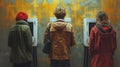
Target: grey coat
{"type": "Point", "coordinates": [20, 42]}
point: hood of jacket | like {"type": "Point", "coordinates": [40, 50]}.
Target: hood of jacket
{"type": "Point", "coordinates": [21, 22]}
{"type": "Point", "coordinates": [59, 25]}
{"type": "Point", "coordinates": [107, 28]}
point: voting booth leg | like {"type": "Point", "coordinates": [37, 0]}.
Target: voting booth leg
{"type": "Point", "coordinates": [86, 57]}
{"type": "Point", "coordinates": [34, 56]}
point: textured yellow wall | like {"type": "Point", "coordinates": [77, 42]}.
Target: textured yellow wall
{"type": "Point", "coordinates": [44, 8]}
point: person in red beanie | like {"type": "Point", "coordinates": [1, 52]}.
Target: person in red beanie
{"type": "Point", "coordinates": [102, 43]}
{"type": "Point", "coordinates": [20, 42]}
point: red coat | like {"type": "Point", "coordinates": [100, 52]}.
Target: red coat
{"type": "Point", "coordinates": [102, 47]}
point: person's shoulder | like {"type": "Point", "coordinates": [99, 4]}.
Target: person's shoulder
{"type": "Point", "coordinates": [48, 24]}
{"type": "Point", "coordinates": [25, 26]}
{"type": "Point", "coordinates": [114, 29]}
{"type": "Point", "coordinates": [94, 28]}
{"type": "Point", "coordinates": [12, 28]}
{"type": "Point", "coordinates": [69, 25]}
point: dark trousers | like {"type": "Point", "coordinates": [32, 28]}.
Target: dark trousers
{"type": "Point", "coordinates": [60, 63]}
{"type": "Point", "coordinates": [28, 64]}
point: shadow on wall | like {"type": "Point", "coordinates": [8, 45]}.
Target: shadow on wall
{"type": "Point", "coordinates": [4, 49]}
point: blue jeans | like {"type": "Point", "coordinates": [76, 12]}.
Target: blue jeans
{"type": "Point", "coordinates": [60, 63]}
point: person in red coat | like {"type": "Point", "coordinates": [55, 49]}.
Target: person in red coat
{"type": "Point", "coordinates": [102, 42]}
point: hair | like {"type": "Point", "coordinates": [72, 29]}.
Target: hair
{"type": "Point", "coordinates": [102, 18]}
{"type": "Point", "coordinates": [60, 13]}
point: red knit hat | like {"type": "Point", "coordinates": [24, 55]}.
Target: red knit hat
{"type": "Point", "coordinates": [21, 16]}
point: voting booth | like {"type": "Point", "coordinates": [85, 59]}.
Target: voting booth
{"type": "Point", "coordinates": [33, 24]}
{"type": "Point", "coordinates": [88, 24]}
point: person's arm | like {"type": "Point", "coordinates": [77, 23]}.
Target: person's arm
{"type": "Point", "coordinates": [91, 41]}
{"type": "Point", "coordinates": [28, 38]}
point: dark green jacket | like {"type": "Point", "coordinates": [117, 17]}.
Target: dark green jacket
{"type": "Point", "coordinates": [20, 42]}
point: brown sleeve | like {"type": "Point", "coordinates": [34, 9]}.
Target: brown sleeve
{"type": "Point", "coordinates": [72, 37]}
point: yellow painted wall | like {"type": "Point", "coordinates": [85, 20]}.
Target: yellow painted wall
{"type": "Point", "coordinates": [9, 9]}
